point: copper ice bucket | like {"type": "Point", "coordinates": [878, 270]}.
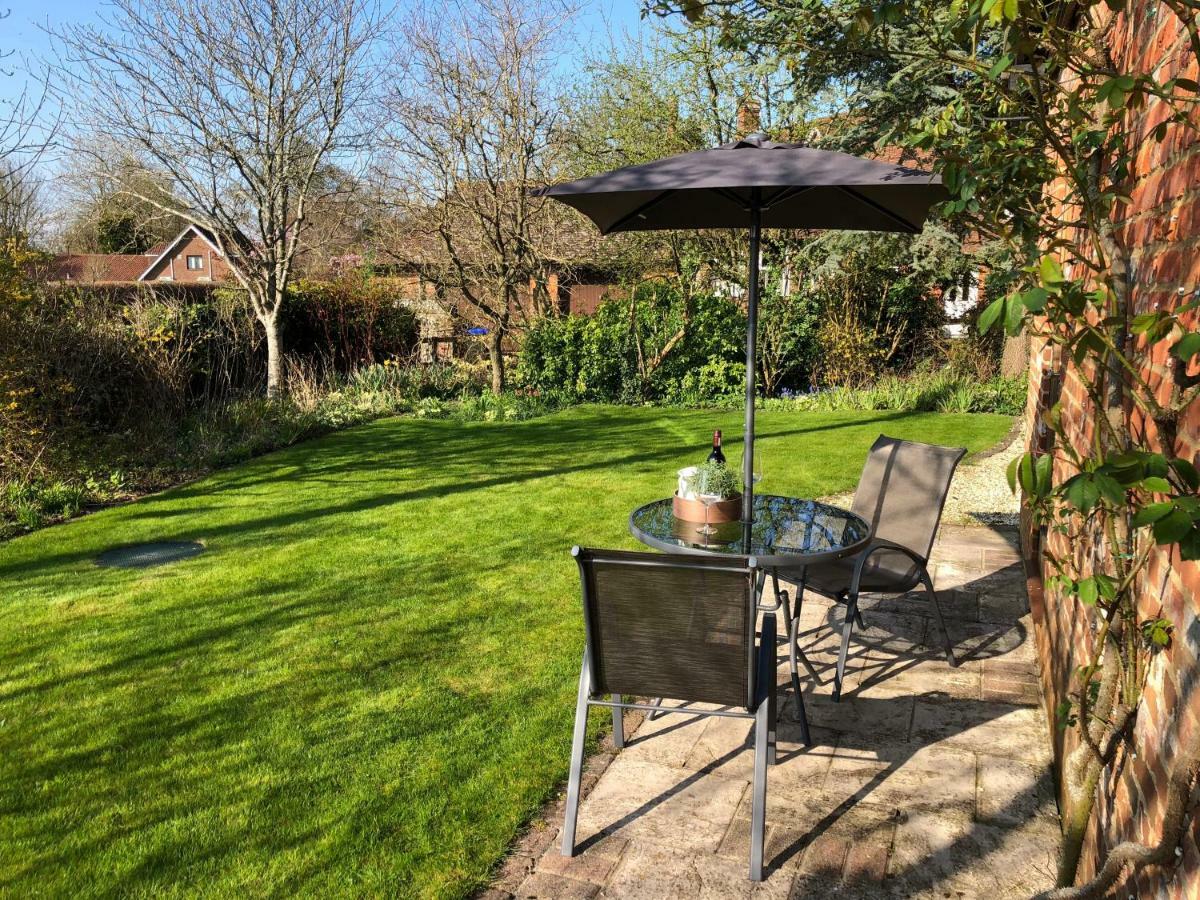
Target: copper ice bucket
{"type": "Point", "coordinates": [729, 510]}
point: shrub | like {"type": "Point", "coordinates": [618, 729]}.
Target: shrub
{"type": "Point", "coordinates": [349, 322]}
{"type": "Point", "coordinates": [637, 349]}
{"type": "Point", "coordinates": [924, 391]}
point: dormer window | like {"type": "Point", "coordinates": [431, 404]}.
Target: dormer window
{"type": "Point", "coordinates": [195, 263]}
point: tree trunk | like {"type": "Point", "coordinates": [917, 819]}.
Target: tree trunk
{"type": "Point", "coordinates": [274, 355]}
{"type": "Point", "coordinates": [496, 356]}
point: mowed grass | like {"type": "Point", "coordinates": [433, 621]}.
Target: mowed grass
{"type": "Point", "coordinates": [365, 685]}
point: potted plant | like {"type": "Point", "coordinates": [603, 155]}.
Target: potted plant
{"type": "Point", "coordinates": [712, 496]}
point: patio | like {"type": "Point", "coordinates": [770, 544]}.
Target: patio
{"type": "Point", "coordinates": [925, 781]}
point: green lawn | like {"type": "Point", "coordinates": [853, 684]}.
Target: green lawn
{"type": "Point", "coordinates": [365, 685]}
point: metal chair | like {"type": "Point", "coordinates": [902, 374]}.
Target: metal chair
{"type": "Point", "coordinates": [680, 627]}
{"type": "Point", "coordinates": [901, 495]}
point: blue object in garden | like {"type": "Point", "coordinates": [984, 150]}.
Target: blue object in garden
{"type": "Point", "coordinates": [477, 331]}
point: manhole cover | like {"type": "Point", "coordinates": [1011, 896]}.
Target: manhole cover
{"type": "Point", "coordinates": [142, 556]}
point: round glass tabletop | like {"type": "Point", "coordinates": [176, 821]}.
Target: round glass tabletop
{"type": "Point", "coordinates": [787, 531]}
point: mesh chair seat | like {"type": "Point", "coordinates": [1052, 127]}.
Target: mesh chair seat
{"type": "Point", "coordinates": [884, 572]}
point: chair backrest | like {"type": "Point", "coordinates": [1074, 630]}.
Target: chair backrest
{"type": "Point", "coordinates": [903, 490]}
{"type": "Point", "coordinates": [669, 625]}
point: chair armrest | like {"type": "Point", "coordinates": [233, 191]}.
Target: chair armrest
{"type": "Point", "coordinates": [880, 544]}
{"type": "Point", "coordinates": [764, 675]}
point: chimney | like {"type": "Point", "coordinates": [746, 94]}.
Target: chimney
{"type": "Point", "coordinates": [748, 116]}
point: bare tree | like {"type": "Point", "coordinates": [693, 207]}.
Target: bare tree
{"type": "Point", "coordinates": [26, 129]}
{"type": "Point", "coordinates": [21, 208]}
{"type": "Point", "coordinates": [234, 124]}
{"type": "Point", "coordinates": [474, 115]}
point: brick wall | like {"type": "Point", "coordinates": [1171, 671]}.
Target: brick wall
{"type": "Point", "coordinates": [1162, 229]}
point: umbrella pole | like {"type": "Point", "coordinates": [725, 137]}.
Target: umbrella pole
{"type": "Point", "coordinates": [751, 359]}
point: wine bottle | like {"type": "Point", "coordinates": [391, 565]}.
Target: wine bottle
{"type": "Point", "coordinates": [717, 455]}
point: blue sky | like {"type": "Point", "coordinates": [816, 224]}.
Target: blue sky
{"type": "Point", "coordinates": [23, 35]}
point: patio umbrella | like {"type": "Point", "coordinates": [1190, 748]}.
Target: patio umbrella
{"type": "Point", "coordinates": [755, 183]}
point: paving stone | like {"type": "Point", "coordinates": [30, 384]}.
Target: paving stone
{"type": "Point", "coordinates": [667, 739]}
{"type": "Point", "coordinates": [1001, 729]}
{"type": "Point", "coordinates": [874, 717]}
{"type": "Point", "coordinates": [817, 886]}
{"type": "Point", "coordinates": [1016, 692]}
{"type": "Point", "coordinates": [593, 864]}
{"type": "Point", "coordinates": [554, 887]}
{"type": "Point", "coordinates": [904, 777]}
{"type": "Point", "coordinates": [651, 873]}
{"type": "Point", "coordinates": [1011, 792]}
{"type": "Point", "coordinates": [686, 810]}
{"type": "Point", "coordinates": [988, 641]}
{"type": "Point", "coordinates": [724, 749]}
{"type": "Point", "coordinates": [866, 863]}
{"type": "Point", "coordinates": [952, 858]}
{"type": "Point", "coordinates": [1003, 607]}
{"type": "Point", "coordinates": [971, 578]}
{"type": "Point", "coordinates": [826, 856]}
{"type": "Point", "coordinates": [785, 842]}
{"type": "Point", "coordinates": [918, 675]}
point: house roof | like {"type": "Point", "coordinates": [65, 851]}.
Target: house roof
{"type": "Point", "coordinates": [169, 248]}
{"type": "Point", "coordinates": [96, 268]}
{"type": "Point", "coordinates": [120, 268]}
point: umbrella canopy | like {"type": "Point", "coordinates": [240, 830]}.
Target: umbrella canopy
{"type": "Point", "coordinates": [755, 183]}
{"type": "Point", "coordinates": [790, 185]}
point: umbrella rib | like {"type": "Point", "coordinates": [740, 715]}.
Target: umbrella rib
{"type": "Point", "coordinates": [786, 193]}
{"type": "Point", "coordinates": [879, 208]}
{"type": "Point", "coordinates": [732, 198]}
{"type": "Point", "coordinates": [639, 211]}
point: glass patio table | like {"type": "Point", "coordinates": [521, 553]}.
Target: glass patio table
{"type": "Point", "coordinates": [787, 532]}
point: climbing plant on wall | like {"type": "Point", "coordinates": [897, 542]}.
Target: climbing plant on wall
{"type": "Point", "coordinates": [1035, 116]}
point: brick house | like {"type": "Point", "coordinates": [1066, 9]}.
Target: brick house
{"type": "Point", "coordinates": [191, 257]}
{"type": "Point", "coordinates": [1161, 226]}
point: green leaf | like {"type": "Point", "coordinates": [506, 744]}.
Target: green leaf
{"type": "Point", "coordinates": [1156, 485]}
{"type": "Point", "coordinates": [1035, 299]}
{"type": "Point", "coordinates": [1014, 314]}
{"type": "Point", "coordinates": [1144, 322]}
{"type": "Point", "coordinates": [1150, 514]}
{"type": "Point", "coordinates": [1188, 346]}
{"type": "Point", "coordinates": [1156, 633]}
{"type": "Point", "coordinates": [1063, 716]}
{"type": "Point", "coordinates": [989, 316]}
{"type": "Point", "coordinates": [1044, 469]}
{"type": "Point", "coordinates": [1172, 527]}
{"type": "Point", "coordinates": [1189, 544]}
{"type": "Point", "coordinates": [1081, 492]}
{"type": "Point", "coordinates": [1010, 10]}
{"type": "Point", "coordinates": [1156, 465]}
{"type": "Point", "coordinates": [1050, 271]}
{"type": "Point", "coordinates": [1110, 489]}
{"type": "Point", "coordinates": [1187, 473]}
{"type": "Point", "coordinates": [1025, 474]}
{"type": "Point", "coordinates": [1088, 591]}
{"type": "Point", "coordinates": [1001, 64]}
{"type": "Point", "coordinates": [1012, 474]}
{"type": "Point", "coordinates": [1107, 586]}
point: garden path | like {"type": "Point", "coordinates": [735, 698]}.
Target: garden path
{"type": "Point", "coordinates": [925, 781]}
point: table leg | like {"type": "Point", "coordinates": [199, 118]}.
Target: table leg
{"type": "Point", "coordinates": [792, 634]}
